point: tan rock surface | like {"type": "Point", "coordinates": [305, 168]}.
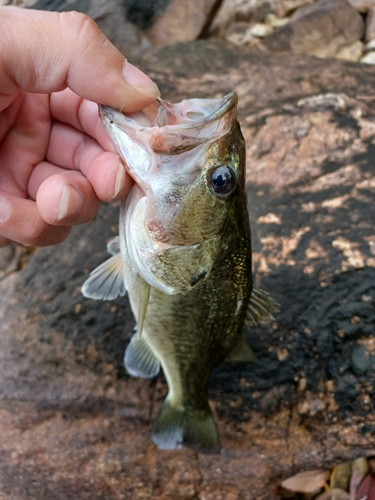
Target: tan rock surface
{"type": "Point", "coordinates": [370, 24]}
{"type": "Point", "coordinates": [321, 29]}
{"type": "Point", "coordinates": [182, 21]}
{"type": "Point", "coordinates": [74, 426]}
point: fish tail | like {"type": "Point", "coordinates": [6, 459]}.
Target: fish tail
{"type": "Point", "coordinates": [177, 426]}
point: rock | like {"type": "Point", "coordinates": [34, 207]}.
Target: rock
{"type": "Point", "coordinates": [239, 33]}
{"type": "Point", "coordinates": [194, 16]}
{"type": "Point", "coordinates": [239, 10]}
{"type": "Point", "coordinates": [369, 58]}
{"type": "Point", "coordinates": [274, 21]}
{"type": "Point", "coordinates": [74, 425]}
{"type": "Point", "coordinates": [352, 52]}
{"type": "Point", "coordinates": [362, 5]}
{"type": "Point", "coordinates": [370, 45]}
{"type": "Point", "coordinates": [286, 7]}
{"type": "Point", "coordinates": [225, 16]}
{"type": "Point", "coordinates": [254, 11]}
{"type": "Point", "coordinates": [260, 30]}
{"type": "Point", "coordinates": [360, 359]}
{"type": "Point", "coordinates": [321, 29]}
{"type": "Point", "coordinates": [370, 24]}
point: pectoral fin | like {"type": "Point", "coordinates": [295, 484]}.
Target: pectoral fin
{"type": "Point", "coordinates": [260, 308]}
{"type": "Point", "coordinates": [106, 282]}
{"type": "Point", "coordinates": [139, 360]}
{"type": "Point", "coordinates": [241, 352]}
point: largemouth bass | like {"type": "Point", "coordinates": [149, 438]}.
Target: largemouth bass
{"type": "Point", "coordinates": [183, 255]}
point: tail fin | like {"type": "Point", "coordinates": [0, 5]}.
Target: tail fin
{"type": "Point", "coordinates": [177, 427]}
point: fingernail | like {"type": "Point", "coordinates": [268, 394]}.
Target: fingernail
{"type": "Point", "coordinates": [120, 180]}
{"type": "Point", "coordinates": [4, 210]}
{"type": "Point", "coordinates": [137, 79]}
{"type": "Point", "coordinates": [70, 203]}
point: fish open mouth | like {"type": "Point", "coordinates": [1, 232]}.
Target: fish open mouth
{"type": "Point", "coordinates": [166, 128]}
{"type": "Point", "coordinates": [185, 114]}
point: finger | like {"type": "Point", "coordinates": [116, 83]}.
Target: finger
{"type": "Point", "coordinates": [20, 221]}
{"type": "Point", "coordinates": [74, 150]}
{"type": "Point", "coordinates": [3, 241]}
{"type": "Point", "coordinates": [71, 149]}
{"type": "Point", "coordinates": [67, 198]}
{"type": "Point", "coordinates": [24, 138]}
{"type": "Point", "coordinates": [69, 108]}
{"type": "Point", "coordinates": [76, 54]}
{"type": "Point", "coordinates": [106, 174]}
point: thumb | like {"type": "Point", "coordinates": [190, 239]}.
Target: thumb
{"type": "Point", "coordinates": [44, 52]}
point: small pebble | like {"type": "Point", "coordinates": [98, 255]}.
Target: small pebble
{"type": "Point", "coordinates": [260, 30]}
{"type": "Point", "coordinates": [360, 359]}
{"type": "Point", "coordinates": [370, 45]}
{"type": "Point", "coordinates": [276, 22]}
{"type": "Point", "coordinates": [368, 58]}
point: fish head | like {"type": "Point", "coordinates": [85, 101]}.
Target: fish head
{"type": "Point", "coordinates": [188, 162]}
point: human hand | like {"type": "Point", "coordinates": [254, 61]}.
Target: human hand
{"type": "Point", "coordinates": [56, 161]}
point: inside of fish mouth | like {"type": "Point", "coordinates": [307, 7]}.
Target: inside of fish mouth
{"type": "Point", "coordinates": [162, 113]}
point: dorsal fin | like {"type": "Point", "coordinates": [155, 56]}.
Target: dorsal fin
{"type": "Point", "coordinates": [260, 308]}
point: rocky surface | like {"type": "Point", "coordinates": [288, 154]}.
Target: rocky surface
{"type": "Point", "coordinates": [343, 29]}
{"type": "Point", "coordinates": [74, 425]}
{"type": "Point", "coordinates": [321, 29]}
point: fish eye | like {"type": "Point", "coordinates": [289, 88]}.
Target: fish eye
{"type": "Point", "coordinates": [223, 180]}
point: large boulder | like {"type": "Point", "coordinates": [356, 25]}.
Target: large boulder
{"type": "Point", "coordinates": [321, 29]}
{"type": "Point", "coordinates": [75, 425]}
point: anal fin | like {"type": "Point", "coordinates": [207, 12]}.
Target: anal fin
{"type": "Point", "coordinates": [139, 359]}
{"type": "Point", "coordinates": [241, 352]}
{"type": "Point", "coordinates": [106, 282]}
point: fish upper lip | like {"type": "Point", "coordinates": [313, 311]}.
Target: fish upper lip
{"type": "Point", "coordinates": [224, 105]}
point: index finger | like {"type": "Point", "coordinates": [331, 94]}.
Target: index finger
{"type": "Point", "coordinates": [44, 52]}
{"type": "Point", "coordinates": [67, 107]}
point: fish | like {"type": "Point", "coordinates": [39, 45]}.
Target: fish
{"type": "Point", "coordinates": [183, 255]}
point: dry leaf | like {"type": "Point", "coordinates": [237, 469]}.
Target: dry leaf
{"type": "Point", "coordinates": [306, 482]}
{"type": "Point", "coordinates": [340, 476]}
{"type": "Point", "coordinates": [360, 469]}
{"type": "Point", "coordinates": [334, 494]}
{"type": "Point", "coordinates": [366, 490]}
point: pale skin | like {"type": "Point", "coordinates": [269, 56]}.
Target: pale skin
{"type": "Point", "coordinates": [56, 161]}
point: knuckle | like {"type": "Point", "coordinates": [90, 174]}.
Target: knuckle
{"type": "Point", "coordinates": [78, 20]}
{"type": "Point", "coordinates": [36, 232]}
{"type": "Point", "coordinates": [83, 29]}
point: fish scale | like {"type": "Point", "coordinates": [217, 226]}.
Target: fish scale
{"type": "Point", "coordinates": [184, 255]}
